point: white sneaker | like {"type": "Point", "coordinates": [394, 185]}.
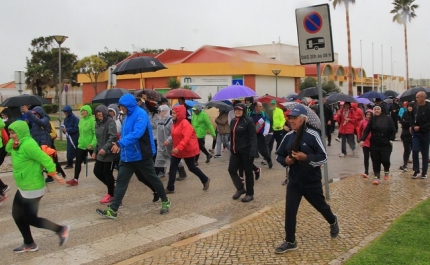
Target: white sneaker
{"type": "Point", "coordinates": [341, 155]}
{"type": "Point", "coordinates": [337, 139]}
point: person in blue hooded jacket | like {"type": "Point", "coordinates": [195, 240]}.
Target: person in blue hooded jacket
{"type": "Point", "coordinates": [70, 126]}
{"type": "Point", "coordinates": [136, 148]}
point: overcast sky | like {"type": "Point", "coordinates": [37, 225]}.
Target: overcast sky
{"type": "Point", "coordinates": [92, 25]}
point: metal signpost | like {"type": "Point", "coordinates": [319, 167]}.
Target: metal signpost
{"type": "Point", "coordinates": [316, 47]}
{"type": "Point", "coordinates": [66, 89]}
{"type": "Point", "coordinates": [20, 81]}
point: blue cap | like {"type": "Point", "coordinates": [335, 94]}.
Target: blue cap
{"type": "Point", "coordinates": [298, 110]}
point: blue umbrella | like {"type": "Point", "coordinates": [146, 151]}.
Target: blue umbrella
{"type": "Point", "coordinates": [362, 100]}
{"type": "Point", "coordinates": [190, 103]}
{"type": "Point", "coordinates": [373, 94]}
{"type": "Point", "coordinates": [233, 92]}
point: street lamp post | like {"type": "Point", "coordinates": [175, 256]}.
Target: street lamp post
{"type": "Point", "coordinates": [59, 39]}
{"type": "Point", "coordinates": [276, 73]}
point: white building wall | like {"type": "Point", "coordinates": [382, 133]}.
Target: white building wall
{"type": "Point", "coordinates": [267, 85]}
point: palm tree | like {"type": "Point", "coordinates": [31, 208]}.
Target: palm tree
{"type": "Point", "coordinates": [348, 32]}
{"type": "Point", "coordinates": [404, 11]}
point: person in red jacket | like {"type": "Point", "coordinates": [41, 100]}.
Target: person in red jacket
{"type": "Point", "coordinates": [366, 144]}
{"type": "Point", "coordinates": [185, 146]}
{"type": "Point", "coordinates": [347, 119]}
{"type": "Point", "coordinates": [359, 117]}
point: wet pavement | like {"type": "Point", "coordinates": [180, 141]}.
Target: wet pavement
{"type": "Point", "coordinates": [208, 227]}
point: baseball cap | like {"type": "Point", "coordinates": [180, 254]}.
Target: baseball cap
{"type": "Point", "coordinates": [197, 107]}
{"type": "Point", "coordinates": [298, 110]}
{"type": "Point", "coordinates": [273, 101]}
{"type": "Point", "coordinates": [239, 106]}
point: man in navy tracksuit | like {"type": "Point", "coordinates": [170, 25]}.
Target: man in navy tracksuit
{"type": "Point", "coordinates": [302, 150]}
{"type": "Point", "coordinates": [70, 127]}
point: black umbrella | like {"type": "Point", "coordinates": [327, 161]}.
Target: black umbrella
{"type": "Point", "coordinates": [141, 64]}
{"type": "Point", "coordinates": [25, 99]}
{"type": "Point", "coordinates": [151, 94]}
{"type": "Point", "coordinates": [373, 94]}
{"type": "Point", "coordinates": [390, 93]}
{"type": "Point", "coordinates": [110, 96]}
{"type": "Point", "coordinates": [311, 92]}
{"type": "Point", "coordinates": [409, 95]}
{"type": "Point", "coordinates": [219, 105]}
{"type": "Point", "coordinates": [333, 98]}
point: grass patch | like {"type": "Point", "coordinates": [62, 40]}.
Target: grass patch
{"type": "Point", "coordinates": [405, 242]}
{"type": "Point", "coordinates": [60, 145]}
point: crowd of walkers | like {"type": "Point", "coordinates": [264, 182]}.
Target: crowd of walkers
{"type": "Point", "coordinates": [152, 140]}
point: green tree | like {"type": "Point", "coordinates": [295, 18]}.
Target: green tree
{"type": "Point", "coordinates": [173, 82]}
{"type": "Point", "coordinates": [404, 11]}
{"type": "Point", "coordinates": [112, 57]}
{"type": "Point", "coordinates": [152, 51]}
{"type": "Point", "coordinates": [308, 82]}
{"type": "Point", "coordinates": [330, 86]}
{"type": "Point", "coordinates": [91, 66]}
{"type": "Point", "coordinates": [348, 33]}
{"type": "Point", "coordinates": [42, 66]}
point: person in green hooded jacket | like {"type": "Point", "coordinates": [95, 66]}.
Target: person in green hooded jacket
{"type": "Point", "coordinates": [201, 124]}
{"type": "Point", "coordinates": [28, 163]}
{"type": "Point", "coordinates": [86, 142]}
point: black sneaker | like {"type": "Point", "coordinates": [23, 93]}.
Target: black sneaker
{"type": "Point", "coordinates": [109, 213]}
{"type": "Point", "coordinates": [423, 176]}
{"type": "Point", "coordinates": [270, 164]}
{"type": "Point", "coordinates": [68, 166]}
{"type": "Point", "coordinates": [248, 198]}
{"type": "Point", "coordinates": [156, 197]}
{"type": "Point", "coordinates": [238, 194]}
{"type": "Point", "coordinates": [206, 185]}
{"type": "Point", "coordinates": [416, 175]}
{"type": "Point", "coordinates": [404, 168]}
{"type": "Point", "coordinates": [5, 189]}
{"type": "Point", "coordinates": [49, 180]}
{"type": "Point", "coordinates": [334, 229]}
{"type": "Point", "coordinates": [167, 191]}
{"type": "Point", "coordinates": [208, 158]}
{"type": "Point", "coordinates": [257, 174]}
{"type": "Point", "coordinates": [286, 246]}
{"type": "Point", "coordinates": [64, 234]}
{"type": "Point", "coordinates": [26, 248]}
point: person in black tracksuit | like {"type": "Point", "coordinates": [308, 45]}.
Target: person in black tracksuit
{"type": "Point", "coordinates": [420, 135]}
{"type": "Point", "coordinates": [243, 148]}
{"type": "Point", "coordinates": [302, 150]}
{"type": "Point", "coordinates": [406, 121]}
{"type": "Point", "coordinates": [394, 113]}
{"type": "Point", "coordinates": [262, 128]}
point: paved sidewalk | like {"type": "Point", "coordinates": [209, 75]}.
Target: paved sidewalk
{"type": "Point", "coordinates": [365, 211]}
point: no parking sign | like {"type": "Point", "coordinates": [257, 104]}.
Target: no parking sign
{"type": "Point", "coordinates": [314, 34]}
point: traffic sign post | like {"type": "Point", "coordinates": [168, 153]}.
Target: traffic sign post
{"type": "Point", "coordinates": [316, 47]}
{"type": "Point", "coordinates": [314, 34]}
{"type": "Point", "coordinates": [66, 89]}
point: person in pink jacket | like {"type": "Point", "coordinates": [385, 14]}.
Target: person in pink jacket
{"type": "Point", "coordinates": [347, 118]}
{"type": "Point", "coordinates": [366, 145]}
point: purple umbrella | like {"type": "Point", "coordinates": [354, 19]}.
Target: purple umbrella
{"type": "Point", "coordinates": [362, 100]}
{"type": "Point", "coordinates": [233, 92]}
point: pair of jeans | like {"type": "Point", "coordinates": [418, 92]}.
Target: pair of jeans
{"type": "Point", "coordinates": [126, 171]}
{"type": "Point", "coordinates": [314, 196]}
{"type": "Point", "coordinates": [277, 136]}
{"type": "Point", "coordinates": [189, 161]}
{"type": "Point", "coordinates": [420, 143]}
{"type": "Point", "coordinates": [222, 139]}
{"type": "Point", "coordinates": [351, 142]}
{"type": "Point", "coordinates": [104, 172]}
{"type": "Point", "coordinates": [245, 162]}
{"type": "Point", "coordinates": [24, 213]}
{"type": "Point", "coordinates": [263, 148]}
{"type": "Point", "coordinates": [407, 148]}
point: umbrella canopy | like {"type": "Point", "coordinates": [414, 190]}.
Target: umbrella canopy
{"type": "Point", "coordinates": [219, 105]}
{"type": "Point", "coordinates": [233, 92]}
{"type": "Point", "coordinates": [313, 118]}
{"type": "Point", "coordinates": [390, 93]}
{"type": "Point", "coordinates": [311, 92]}
{"type": "Point", "coordinates": [291, 96]}
{"type": "Point", "coordinates": [373, 94]}
{"type": "Point", "coordinates": [362, 100]}
{"type": "Point", "coordinates": [409, 95]}
{"type": "Point", "coordinates": [182, 93]}
{"type": "Point", "coordinates": [21, 100]}
{"type": "Point", "coordinates": [110, 96]}
{"type": "Point", "coordinates": [141, 64]}
{"type": "Point", "coordinates": [151, 94]}
{"type": "Point", "coordinates": [268, 98]}
{"type": "Point", "coordinates": [190, 103]}
{"type": "Point", "coordinates": [333, 98]}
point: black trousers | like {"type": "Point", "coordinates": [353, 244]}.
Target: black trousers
{"type": "Point", "coordinates": [24, 213]}
{"type": "Point", "coordinates": [328, 132]}
{"type": "Point", "coordinates": [57, 163]}
{"type": "Point", "coordinates": [407, 148]}
{"type": "Point", "coordinates": [202, 148]}
{"type": "Point", "coordinates": [242, 160]}
{"type": "Point", "coordinates": [366, 153]}
{"type": "Point", "coordinates": [380, 157]}
{"type": "Point", "coordinates": [263, 148]}
{"type": "Point", "coordinates": [81, 157]}
{"type": "Point", "coordinates": [104, 172]}
{"type": "Point", "coordinates": [189, 161]}
{"type": "Point", "coordinates": [314, 196]}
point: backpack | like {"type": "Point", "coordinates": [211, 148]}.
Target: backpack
{"type": "Point", "coordinates": [52, 131]}
{"type": "Point", "coordinates": [4, 136]}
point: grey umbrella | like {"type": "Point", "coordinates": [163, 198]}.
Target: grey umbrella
{"type": "Point", "coordinates": [313, 118]}
{"type": "Point", "coordinates": [219, 105]}
{"type": "Point", "coordinates": [311, 92]}
{"type": "Point", "coordinates": [333, 98]}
